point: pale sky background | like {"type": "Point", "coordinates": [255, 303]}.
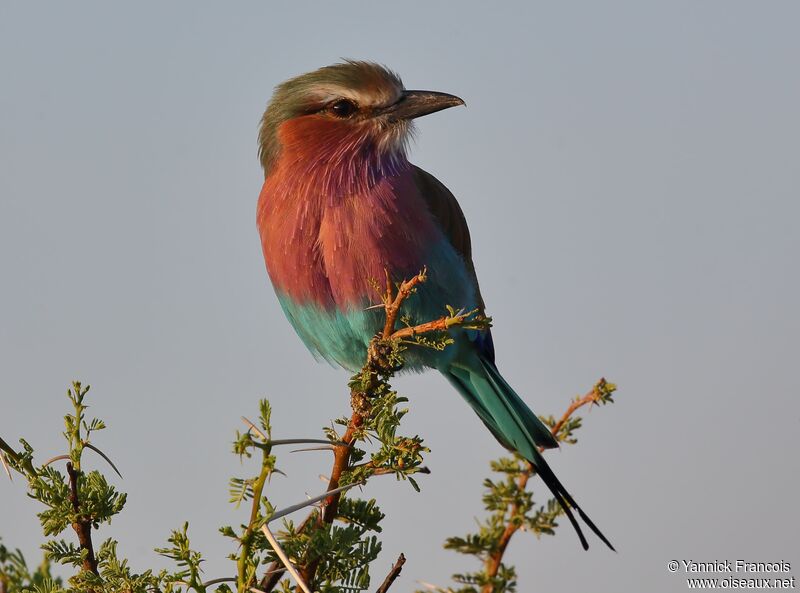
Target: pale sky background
{"type": "Point", "coordinates": [630, 173]}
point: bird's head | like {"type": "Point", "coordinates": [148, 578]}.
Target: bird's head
{"type": "Point", "coordinates": [345, 116]}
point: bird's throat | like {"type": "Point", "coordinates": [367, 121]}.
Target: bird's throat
{"type": "Point", "coordinates": [333, 160]}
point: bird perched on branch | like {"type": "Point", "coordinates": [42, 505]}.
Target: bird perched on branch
{"type": "Point", "coordinates": [341, 206]}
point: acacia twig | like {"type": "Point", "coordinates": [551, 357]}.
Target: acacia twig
{"type": "Point", "coordinates": [15, 457]}
{"type": "Point", "coordinates": [247, 537]}
{"type": "Point", "coordinates": [373, 369]}
{"type": "Point", "coordinates": [82, 524]}
{"type": "Point", "coordinates": [393, 302]}
{"type": "Point", "coordinates": [392, 576]}
{"type": "Point", "coordinates": [495, 559]}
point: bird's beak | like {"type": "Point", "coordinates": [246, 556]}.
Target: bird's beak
{"type": "Point", "coordinates": [418, 103]}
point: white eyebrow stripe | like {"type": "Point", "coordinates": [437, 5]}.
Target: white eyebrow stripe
{"type": "Point", "coordinates": [326, 94]}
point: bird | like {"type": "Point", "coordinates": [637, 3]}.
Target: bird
{"type": "Point", "coordinates": [341, 206]}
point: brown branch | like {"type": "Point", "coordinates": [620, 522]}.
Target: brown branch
{"type": "Point", "coordinates": [393, 302]}
{"type": "Point", "coordinates": [82, 524]}
{"type": "Point", "coordinates": [590, 398]}
{"type": "Point", "coordinates": [495, 559]}
{"type": "Point", "coordinates": [373, 369]}
{"type": "Point", "coordinates": [392, 576]}
{"type": "Point", "coordinates": [441, 324]}
{"type": "Point", "coordinates": [341, 460]}
{"type": "Point", "coordinates": [271, 578]}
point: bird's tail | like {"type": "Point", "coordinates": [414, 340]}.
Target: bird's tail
{"type": "Point", "coordinates": [514, 425]}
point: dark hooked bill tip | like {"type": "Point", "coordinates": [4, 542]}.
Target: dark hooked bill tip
{"type": "Point", "coordinates": [418, 103]}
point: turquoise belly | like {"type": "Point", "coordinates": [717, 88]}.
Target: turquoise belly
{"type": "Point", "coordinates": [341, 334]}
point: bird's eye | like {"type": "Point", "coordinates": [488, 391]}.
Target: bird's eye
{"type": "Point", "coordinates": [343, 108]}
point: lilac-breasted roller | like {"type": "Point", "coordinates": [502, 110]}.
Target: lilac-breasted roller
{"type": "Point", "coordinates": [341, 205]}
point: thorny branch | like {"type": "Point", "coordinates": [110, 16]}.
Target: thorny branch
{"type": "Point", "coordinates": [495, 559]}
{"type": "Point", "coordinates": [7, 451]}
{"type": "Point", "coordinates": [247, 538]}
{"type": "Point", "coordinates": [374, 368]}
{"type": "Point", "coordinates": [392, 576]}
{"type": "Point", "coordinates": [392, 302]}
{"type": "Point", "coordinates": [82, 524]}
{"type": "Point", "coordinates": [373, 380]}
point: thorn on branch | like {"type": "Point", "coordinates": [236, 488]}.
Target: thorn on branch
{"type": "Point", "coordinates": [88, 446]}
{"type": "Point", "coordinates": [54, 459]}
{"type": "Point", "coordinates": [322, 448]}
{"type": "Point", "coordinates": [325, 495]}
{"type": "Point", "coordinates": [104, 456]}
{"type": "Point", "coordinates": [5, 465]}
{"type": "Point", "coordinates": [255, 429]}
{"type": "Point", "coordinates": [276, 442]}
{"type": "Point", "coordinates": [275, 571]}
{"type": "Point", "coordinates": [284, 559]}
{"type": "Point", "coordinates": [218, 581]}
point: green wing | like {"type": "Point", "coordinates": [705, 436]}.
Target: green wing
{"type": "Point", "coordinates": [444, 207]}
